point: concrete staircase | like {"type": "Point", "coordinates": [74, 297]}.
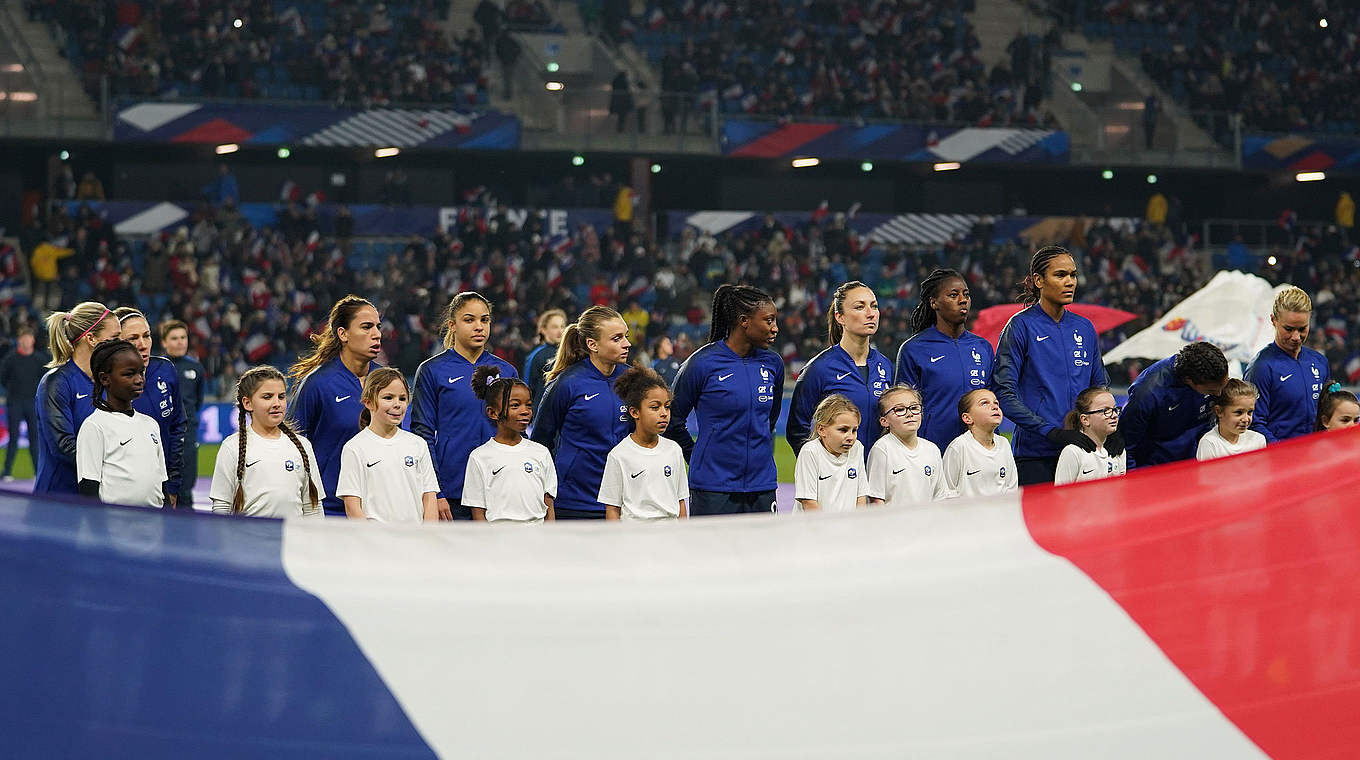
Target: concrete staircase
{"type": "Point", "coordinates": [62, 107]}
{"type": "Point", "coordinates": [997, 22]}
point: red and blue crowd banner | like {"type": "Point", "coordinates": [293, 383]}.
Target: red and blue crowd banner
{"type": "Point", "coordinates": [1301, 153]}
{"type": "Point", "coordinates": [1207, 610]}
{"type": "Point", "coordinates": [758, 138]}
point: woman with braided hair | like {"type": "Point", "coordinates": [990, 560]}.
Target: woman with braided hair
{"type": "Point", "coordinates": [735, 385]}
{"type": "Point", "coordinates": [941, 359]}
{"type": "Point", "coordinates": [65, 393]}
{"type": "Point", "coordinates": [265, 469]}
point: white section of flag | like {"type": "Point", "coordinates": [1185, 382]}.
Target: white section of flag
{"type": "Point", "coordinates": [922, 228]}
{"type": "Point", "coordinates": [149, 116]}
{"type": "Point", "coordinates": [715, 222]}
{"type": "Point", "coordinates": [402, 128]}
{"type": "Point", "coordinates": [940, 632]}
{"type": "Point", "coordinates": [152, 220]}
{"type": "Point", "coordinates": [970, 142]}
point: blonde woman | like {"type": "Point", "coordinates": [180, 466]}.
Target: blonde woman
{"type": "Point", "coordinates": [66, 392]}
{"type": "Point", "coordinates": [1288, 375]}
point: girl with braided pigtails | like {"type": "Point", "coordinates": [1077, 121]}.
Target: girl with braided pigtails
{"type": "Point", "coordinates": [509, 478]}
{"type": "Point", "coordinates": [265, 469]}
{"type": "Point", "coordinates": [735, 385]}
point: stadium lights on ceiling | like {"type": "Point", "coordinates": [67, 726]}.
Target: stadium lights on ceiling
{"type": "Point", "coordinates": [283, 152]}
{"type": "Point", "coordinates": [553, 86]}
{"type": "Point", "coordinates": [866, 166]}
{"type": "Point", "coordinates": [1152, 179]}
{"type": "Point", "coordinates": [1107, 174]}
{"type": "Point", "coordinates": [386, 152]}
{"type": "Point", "coordinates": [947, 166]}
{"type": "Point", "coordinates": [1322, 22]}
{"type": "Point", "coordinates": [553, 66]}
{"type": "Point", "coordinates": [656, 168]}
{"type": "Point", "coordinates": [1076, 87]}
{"type": "Point", "coordinates": [238, 23]}
{"type": "Point", "coordinates": [223, 150]}
{"type": "Point", "coordinates": [803, 163]}
{"type": "Point", "coordinates": [578, 160]}
{"type": "Point", "coordinates": [1310, 176]}
{"type": "Point", "coordinates": [65, 155]}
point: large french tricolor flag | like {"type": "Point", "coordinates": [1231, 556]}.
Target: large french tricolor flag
{"type": "Point", "coordinates": [1190, 611]}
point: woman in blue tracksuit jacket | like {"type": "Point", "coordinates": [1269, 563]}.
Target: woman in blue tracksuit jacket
{"type": "Point", "coordinates": [64, 392]}
{"type": "Point", "coordinates": [850, 367]}
{"type": "Point", "coordinates": [1046, 356]}
{"type": "Point", "coordinates": [735, 385]}
{"type": "Point", "coordinates": [326, 401]}
{"type": "Point", "coordinates": [160, 399]}
{"type": "Point", "coordinates": [1288, 375]}
{"type": "Point", "coordinates": [941, 359]}
{"type": "Point", "coordinates": [445, 410]}
{"type": "Point", "coordinates": [551, 324]}
{"type": "Point", "coordinates": [581, 419]}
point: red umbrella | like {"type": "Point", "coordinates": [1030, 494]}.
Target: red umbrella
{"type": "Point", "coordinates": [991, 319]}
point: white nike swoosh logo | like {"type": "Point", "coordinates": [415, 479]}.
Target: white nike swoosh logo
{"type": "Point", "coordinates": [456, 379]}
{"type": "Point", "coordinates": [82, 395]}
{"type": "Point", "coordinates": [1286, 377]}
{"type": "Point", "coordinates": [338, 399]}
{"type": "Point", "coordinates": [1172, 408]}
{"type": "Point", "coordinates": [934, 359]}
{"type": "Point", "coordinates": [724, 377]}
{"type": "Point", "coordinates": [1041, 338]}
{"type": "Point", "coordinates": [838, 377]}
{"type": "Point", "coordinates": [591, 396]}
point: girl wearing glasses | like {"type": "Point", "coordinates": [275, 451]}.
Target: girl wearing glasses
{"type": "Point", "coordinates": [1095, 416]}
{"type": "Point", "coordinates": [904, 468]}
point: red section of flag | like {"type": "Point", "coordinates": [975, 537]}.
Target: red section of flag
{"type": "Point", "coordinates": [991, 320]}
{"type": "Point", "coordinates": [784, 141]}
{"type": "Point", "coordinates": [1245, 572]}
{"type": "Point", "coordinates": [218, 131]}
{"type": "Point", "coordinates": [1313, 162]}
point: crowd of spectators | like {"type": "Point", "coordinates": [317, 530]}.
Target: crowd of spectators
{"type": "Point", "coordinates": [1281, 66]}
{"type": "Point", "coordinates": [255, 295]}
{"type": "Point", "coordinates": [886, 59]}
{"type": "Point", "coordinates": [343, 51]}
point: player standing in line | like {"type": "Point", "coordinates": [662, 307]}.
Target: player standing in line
{"type": "Point", "coordinates": [904, 469]}
{"type": "Point", "coordinates": [662, 494]}
{"type": "Point", "coordinates": [851, 366]}
{"type": "Point", "coordinates": [1095, 416]}
{"type": "Point", "coordinates": [941, 359]}
{"type": "Point", "coordinates": [1337, 409]}
{"type": "Point", "coordinates": [509, 478]}
{"type": "Point", "coordinates": [160, 397]}
{"type": "Point", "coordinates": [65, 392]}
{"type": "Point", "coordinates": [1288, 375]}
{"type": "Point", "coordinates": [830, 473]}
{"type": "Point", "coordinates": [735, 385]}
{"type": "Point", "coordinates": [581, 418]}
{"type": "Point", "coordinates": [385, 472]}
{"type": "Point", "coordinates": [329, 385]}
{"type": "Point", "coordinates": [979, 462]}
{"type": "Point", "coordinates": [1171, 405]}
{"type": "Point", "coordinates": [1046, 356]}
{"type": "Point", "coordinates": [1233, 433]}
{"type": "Point", "coordinates": [265, 469]}
{"type": "Point", "coordinates": [665, 364]}
{"type": "Point", "coordinates": [192, 379]}
{"type": "Point", "coordinates": [446, 410]}
{"type": "Point", "coordinates": [119, 458]}
{"type": "Point", "coordinates": [551, 324]}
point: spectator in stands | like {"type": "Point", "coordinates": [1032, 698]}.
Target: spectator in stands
{"type": "Point", "coordinates": [620, 99]}
{"type": "Point", "coordinates": [1152, 110]}
{"type": "Point", "coordinates": [19, 374]}
{"type": "Point", "coordinates": [223, 188]}
{"type": "Point", "coordinates": [90, 188]}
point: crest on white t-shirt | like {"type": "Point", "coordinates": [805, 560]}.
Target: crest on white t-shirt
{"type": "Point", "coordinates": [410, 461]}
{"type": "Point", "coordinates": [289, 465]}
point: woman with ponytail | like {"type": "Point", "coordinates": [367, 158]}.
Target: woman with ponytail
{"type": "Point", "coordinates": [851, 366]}
{"type": "Point", "coordinates": [265, 469]}
{"type": "Point", "coordinates": [941, 359]}
{"type": "Point", "coordinates": [1046, 357]}
{"type": "Point", "coordinates": [65, 393]}
{"type": "Point", "coordinates": [329, 384]}
{"type": "Point", "coordinates": [735, 384]}
{"type": "Point", "coordinates": [161, 399]}
{"type": "Point", "coordinates": [445, 410]}
{"type": "Point", "coordinates": [581, 418]}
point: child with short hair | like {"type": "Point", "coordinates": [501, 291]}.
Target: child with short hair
{"type": "Point", "coordinates": [276, 475]}
{"type": "Point", "coordinates": [1096, 416]}
{"type": "Point", "coordinates": [385, 472]}
{"type": "Point", "coordinates": [904, 468]}
{"type": "Point", "coordinates": [979, 462]}
{"type": "Point", "coordinates": [830, 475]}
{"type": "Point", "coordinates": [644, 475]}
{"type": "Point", "coordinates": [1233, 433]}
{"type": "Point", "coordinates": [119, 458]}
{"type": "Point", "coordinates": [510, 478]}
{"type": "Point", "coordinates": [1337, 409]}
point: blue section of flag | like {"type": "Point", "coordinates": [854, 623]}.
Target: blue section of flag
{"type": "Point", "coordinates": [141, 633]}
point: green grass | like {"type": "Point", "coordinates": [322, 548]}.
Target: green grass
{"type": "Point", "coordinates": [207, 458]}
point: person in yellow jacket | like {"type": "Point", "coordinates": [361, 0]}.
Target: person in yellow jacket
{"type": "Point", "coordinates": [46, 293]}
{"type": "Point", "coordinates": [1156, 209]}
{"type": "Point", "coordinates": [1345, 214]}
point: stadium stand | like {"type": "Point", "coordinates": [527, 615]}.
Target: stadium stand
{"type": "Point", "coordinates": [346, 52]}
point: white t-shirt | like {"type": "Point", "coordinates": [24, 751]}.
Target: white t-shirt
{"type": "Point", "coordinates": [509, 482]}
{"type": "Point", "coordinates": [835, 482]}
{"type": "Point", "coordinates": [123, 452]}
{"type": "Point", "coordinates": [645, 484]}
{"type": "Point", "coordinates": [389, 475]}
{"type": "Point", "coordinates": [1076, 464]}
{"type": "Point", "coordinates": [1213, 445]}
{"type": "Point", "coordinates": [902, 476]}
{"type": "Point", "coordinates": [971, 469]}
{"type": "Point", "coordinates": [274, 479]}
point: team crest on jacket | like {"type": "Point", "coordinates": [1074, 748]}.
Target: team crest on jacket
{"type": "Point", "coordinates": [410, 461]}
{"type": "Point", "coordinates": [883, 372]}
{"type": "Point", "coordinates": [765, 373]}
{"type": "Point", "coordinates": [162, 387]}
{"type": "Point", "coordinates": [977, 358]}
